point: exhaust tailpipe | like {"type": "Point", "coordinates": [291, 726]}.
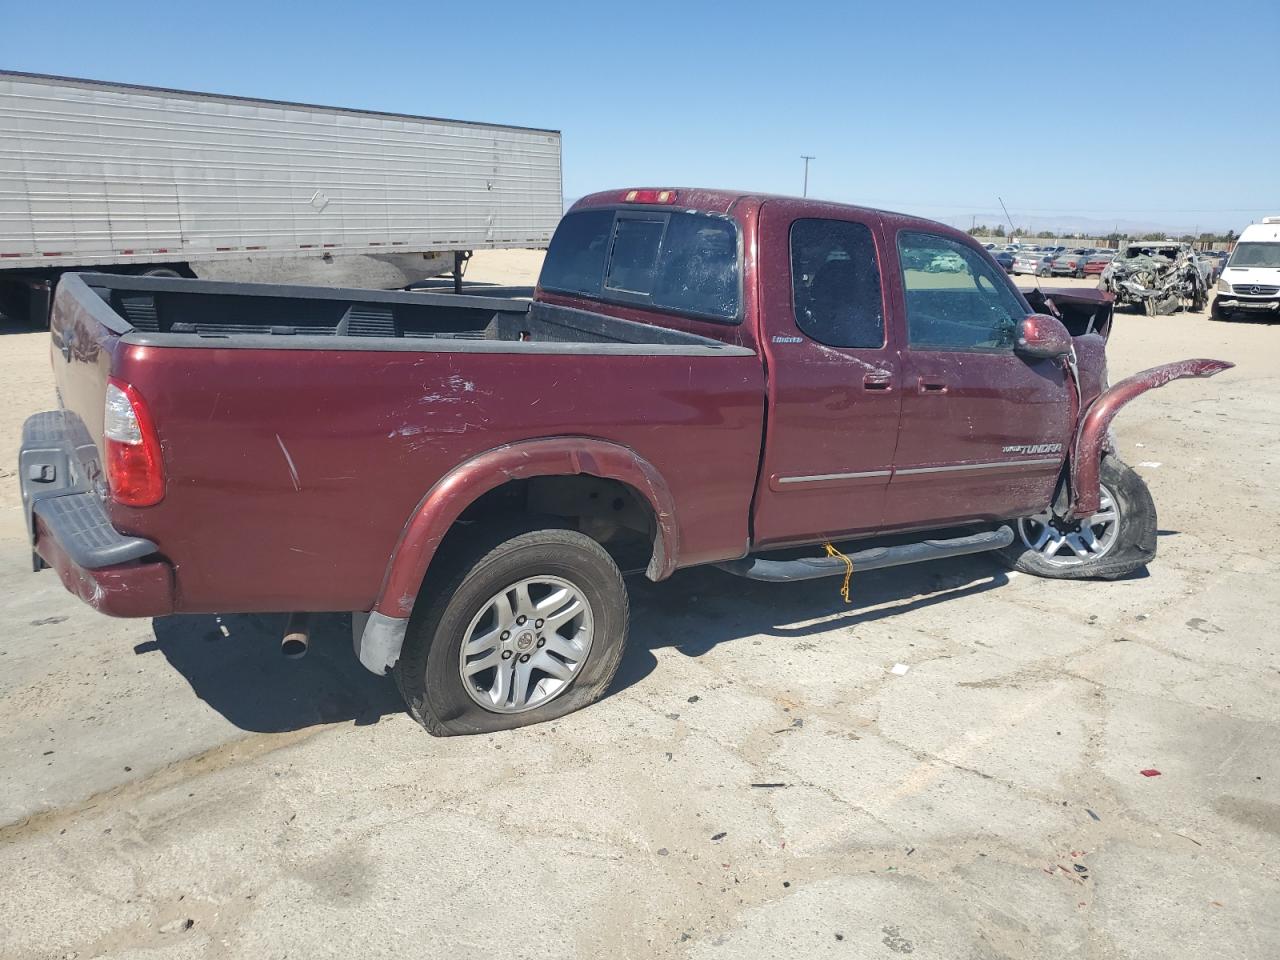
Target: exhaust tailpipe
{"type": "Point", "coordinates": [297, 636]}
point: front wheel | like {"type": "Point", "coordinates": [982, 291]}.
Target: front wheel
{"type": "Point", "coordinates": [521, 629]}
{"type": "Point", "coordinates": [1115, 541]}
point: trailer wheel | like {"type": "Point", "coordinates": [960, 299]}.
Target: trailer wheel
{"type": "Point", "coordinates": [520, 629]}
{"type": "Point", "coordinates": [1117, 540]}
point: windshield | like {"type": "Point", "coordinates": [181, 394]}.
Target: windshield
{"type": "Point", "coordinates": [1256, 255]}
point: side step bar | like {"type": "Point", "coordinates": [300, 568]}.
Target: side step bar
{"type": "Point", "coordinates": [785, 571]}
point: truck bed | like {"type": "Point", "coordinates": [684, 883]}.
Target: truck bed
{"type": "Point", "coordinates": [302, 427]}
{"type": "Point", "coordinates": [160, 311]}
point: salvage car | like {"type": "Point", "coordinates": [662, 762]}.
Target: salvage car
{"type": "Point", "coordinates": [1039, 264]}
{"type": "Point", "coordinates": [1250, 282]}
{"type": "Point", "coordinates": [1097, 262]}
{"type": "Point", "coordinates": [1069, 264]}
{"type": "Point", "coordinates": [1158, 277]}
{"type": "Point", "coordinates": [1005, 259]}
{"type": "Point", "coordinates": [776, 386]}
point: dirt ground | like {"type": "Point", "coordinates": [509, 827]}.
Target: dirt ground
{"type": "Point", "coordinates": [759, 784]}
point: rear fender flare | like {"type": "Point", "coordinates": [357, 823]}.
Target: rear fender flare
{"type": "Point", "coordinates": [1086, 452]}
{"type": "Point", "coordinates": [558, 456]}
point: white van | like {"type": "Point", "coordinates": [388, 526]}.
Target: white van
{"type": "Point", "coordinates": [1250, 282]}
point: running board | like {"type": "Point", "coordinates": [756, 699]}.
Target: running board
{"type": "Point", "coordinates": [814, 568]}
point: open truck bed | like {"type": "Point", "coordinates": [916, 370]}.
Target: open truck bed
{"type": "Point", "coordinates": [166, 312]}
{"type": "Point", "coordinates": [325, 416]}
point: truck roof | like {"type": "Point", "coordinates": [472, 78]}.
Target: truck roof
{"type": "Point", "coordinates": [711, 200]}
{"type": "Point", "coordinates": [169, 91]}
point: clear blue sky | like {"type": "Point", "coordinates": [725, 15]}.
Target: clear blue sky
{"type": "Point", "coordinates": [1162, 113]}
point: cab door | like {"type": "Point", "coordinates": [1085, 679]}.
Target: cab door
{"type": "Point", "coordinates": [984, 431]}
{"type": "Point", "coordinates": [834, 376]}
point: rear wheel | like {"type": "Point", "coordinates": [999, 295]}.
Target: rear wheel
{"type": "Point", "coordinates": [1119, 538]}
{"type": "Point", "coordinates": [523, 628]}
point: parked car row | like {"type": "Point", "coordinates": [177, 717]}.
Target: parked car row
{"type": "Point", "coordinates": [1051, 261]}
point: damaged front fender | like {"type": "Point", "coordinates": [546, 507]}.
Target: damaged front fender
{"type": "Point", "coordinates": [1086, 455]}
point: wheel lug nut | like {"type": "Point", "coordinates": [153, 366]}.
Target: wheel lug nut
{"type": "Point", "coordinates": [542, 641]}
{"type": "Point", "coordinates": [506, 654]}
{"type": "Point", "coordinates": [506, 634]}
{"type": "Point", "coordinates": [538, 624]}
{"type": "Point", "coordinates": [525, 658]}
{"type": "Point", "coordinates": [521, 620]}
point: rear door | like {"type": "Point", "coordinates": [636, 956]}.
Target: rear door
{"type": "Point", "coordinates": [834, 380]}
{"type": "Point", "coordinates": [984, 431]}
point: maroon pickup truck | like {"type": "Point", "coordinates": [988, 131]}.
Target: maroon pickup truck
{"type": "Point", "coordinates": [702, 378]}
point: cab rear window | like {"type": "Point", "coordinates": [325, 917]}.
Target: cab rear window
{"type": "Point", "coordinates": [683, 262]}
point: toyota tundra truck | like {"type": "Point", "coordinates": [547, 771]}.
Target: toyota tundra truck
{"type": "Point", "coordinates": [779, 387]}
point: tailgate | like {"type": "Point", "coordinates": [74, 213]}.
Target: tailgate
{"type": "Point", "coordinates": [60, 461]}
{"type": "Point", "coordinates": [84, 333]}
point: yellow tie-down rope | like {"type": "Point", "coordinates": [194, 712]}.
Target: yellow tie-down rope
{"type": "Point", "coordinates": [848, 570]}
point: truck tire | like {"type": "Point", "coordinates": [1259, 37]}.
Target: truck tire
{"type": "Point", "coordinates": [1117, 540]}
{"type": "Point", "coordinates": [519, 668]}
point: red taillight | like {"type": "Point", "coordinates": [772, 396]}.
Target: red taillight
{"type": "Point", "coordinates": [134, 464]}
{"type": "Point", "coordinates": [649, 196]}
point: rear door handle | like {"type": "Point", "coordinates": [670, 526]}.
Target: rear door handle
{"type": "Point", "coordinates": [878, 380]}
{"type": "Point", "coordinates": [927, 385]}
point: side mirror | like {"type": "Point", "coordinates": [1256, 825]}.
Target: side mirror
{"type": "Point", "coordinates": [1042, 337]}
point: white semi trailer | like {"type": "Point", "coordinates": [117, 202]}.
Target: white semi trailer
{"type": "Point", "coordinates": [116, 178]}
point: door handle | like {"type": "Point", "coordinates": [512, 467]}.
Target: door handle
{"type": "Point", "coordinates": [928, 385]}
{"type": "Point", "coordinates": [878, 380]}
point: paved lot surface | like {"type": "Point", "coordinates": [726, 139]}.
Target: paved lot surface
{"type": "Point", "coordinates": [760, 783]}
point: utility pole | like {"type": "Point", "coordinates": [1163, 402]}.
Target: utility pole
{"type": "Point", "coordinates": [806, 158]}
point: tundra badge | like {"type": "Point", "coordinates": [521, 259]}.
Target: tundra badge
{"type": "Point", "coordinates": [1033, 448]}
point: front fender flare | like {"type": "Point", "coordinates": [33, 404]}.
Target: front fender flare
{"type": "Point", "coordinates": [1086, 452]}
{"type": "Point", "coordinates": [556, 456]}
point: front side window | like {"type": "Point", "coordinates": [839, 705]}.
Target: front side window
{"type": "Point", "coordinates": [956, 300]}
{"type": "Point", "coordinates": [684, 262]}
{"type": "Point", "coordinates": [835, 283]}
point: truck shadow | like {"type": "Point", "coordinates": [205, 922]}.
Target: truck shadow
{"type": "Point", "coordinates": [698, 609]}
{"type": "Point", "coordinates": [233, 662]}
{"type": "Point", "coordinates": [241, 674]}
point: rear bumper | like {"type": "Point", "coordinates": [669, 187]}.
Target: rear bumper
{"type": "Point", "coordinates": [117, 574]}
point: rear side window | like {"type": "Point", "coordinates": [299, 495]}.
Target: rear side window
{"type": "Point", "coordinates": [575, 258]}
{"type": "Point", "coordinates": [634, 261]}
{"type": "Point", "coordinates": [835, 283]}
{"type": "Point", "coordinates": [684, 262]}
